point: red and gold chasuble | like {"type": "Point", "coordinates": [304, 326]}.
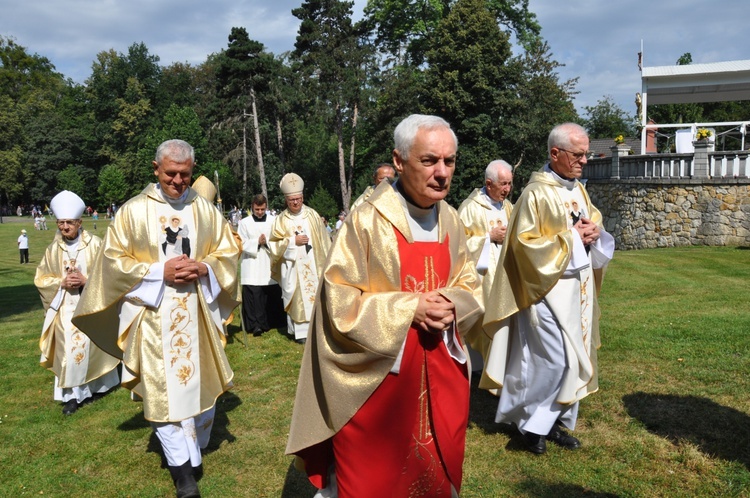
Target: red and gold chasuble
{"type": "Point", "coordinates": [407, 440]}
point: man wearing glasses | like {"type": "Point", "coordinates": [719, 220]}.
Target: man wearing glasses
{"type": "Point", "coordinates": [542, 310]}
{"type": "Point", "coordinates": [299, 244]}
{"type": "Point", "coordinates": [82, 370]}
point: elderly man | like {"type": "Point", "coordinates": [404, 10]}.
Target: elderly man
{"type": "Point", "coordinates": [485, 214]}
{"type": "Point", "coordinates": [542, 308]}
{"type": "Point", "coordinates": [299, 244]}
{"type": "Point", "coordinates": [383, 395]}
{"type": "Point", "coordinates": [383, 172]}
{"type": "Point", "coordinates": [261, 295]}
{"type": "Point", "coordinates": [161, 311]}
{"type": "Point", "coordinates": [82, 370]}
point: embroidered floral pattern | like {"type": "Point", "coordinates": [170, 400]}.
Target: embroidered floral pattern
{"type": "Point", "coordinates": [180, 343]}
{"type": "Point", "coordinates": [430, 281]}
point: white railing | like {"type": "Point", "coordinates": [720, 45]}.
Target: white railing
{"type": "Point", "coordinates": [725, 164]}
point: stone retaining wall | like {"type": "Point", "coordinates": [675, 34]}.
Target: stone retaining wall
{"type": "Point", "coordinates": [669, 213]}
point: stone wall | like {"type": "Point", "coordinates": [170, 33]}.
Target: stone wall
{"type": "Point", "coordinates": [669, 213]}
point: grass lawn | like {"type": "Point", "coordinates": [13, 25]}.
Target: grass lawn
{"type": "Point", "coordinates": [671, 419]}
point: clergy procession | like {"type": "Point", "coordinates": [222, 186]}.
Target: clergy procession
{"type": "Point", "coordinates": [394, 312]}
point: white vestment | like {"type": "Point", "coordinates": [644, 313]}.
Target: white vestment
{"type": "Point", "coordinates": [255, 267]}
{"type": "Point", "coordinates": [553, 335]}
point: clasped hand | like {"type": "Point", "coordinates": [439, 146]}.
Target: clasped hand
{"type": "Point", "coordinates": [301, 239]}
{"type": "Point", "coordinates": [497, 234]}
{"type": "Point", "coordinates": [434, 312]}
{"type": "Point", "coordinates": [183, 270]}
{"type": "Point", "coordinates": [588, 230]}
{"type": "Point", "coordinates": [73, 280]}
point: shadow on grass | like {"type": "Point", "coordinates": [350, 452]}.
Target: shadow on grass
{"type": "Point", "coordinates": [18, 299]}
{"type": "Point", "coordinates": [219, 433]}
{"type": "Point", "coordinates": [545, 489]}
{"type": "Point", "coordinates": [235, 333]}
{"type": "Point", "coordinates": [296, 484]}
{"type": "Point", "coordinates": [715, 429]}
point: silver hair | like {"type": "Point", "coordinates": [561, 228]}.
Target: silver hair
{"type": "Point", "coordinates": [560, 135]}
{"type": "Point", "coordinates": [494, 167]}
{"type": "Point", "coordinates": [177, 150]}
{"type": "Point", "coordinates": [406, 131]}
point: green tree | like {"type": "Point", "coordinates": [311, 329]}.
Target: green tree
{"type": "Point", "coordinates": [11, 153]}
{"type": "Point", "coordinates": [70, 179]}
{"type": "Point", "coordinates": [539, 102]}
{"type": "Point", "coordinates": [113, 186]}
{"type": "Point", "coordinates": [333, 63]}
{"type": "Point", "coordinates": [244, 71]}
{"type": "Point", "coordinates": [403, 28]}
{"type": "Point", "coordinates": [468, 83]}
{"type": "Point", "coordinates": [35, 143]}
{"type": "Point", "coordinates": [606, 119]}
{"type": "Point", "coordinates": [322, 202]}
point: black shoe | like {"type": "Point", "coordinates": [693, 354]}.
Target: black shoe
{"type": "Point", "coordinates": [257, 332]}
{"type": "Point", "coordinates": [198, 472]}
{"type": "Point", "coordinates": [301, 341]}
{"type": "Point", "coordinates": [187, 487]}
{"type": "Point", "coordinates": [535, 443]}
{"type": "Point", "coordinates": [184, 481]}
{"type": "Point", "coordinates": [563, 439]}
{"type": "Point", "coordinates": [70, 407]}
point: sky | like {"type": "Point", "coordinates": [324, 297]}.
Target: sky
{"type": "Point", "coordinates": [596, 40]}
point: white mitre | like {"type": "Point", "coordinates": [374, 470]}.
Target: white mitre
{"type": "Point", "coordinates": [67, 206]}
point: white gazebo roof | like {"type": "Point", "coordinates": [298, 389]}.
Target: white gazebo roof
{"type": "Point", "coordinates": [692, 83]}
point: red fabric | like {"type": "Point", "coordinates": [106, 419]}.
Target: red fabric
{"type": "Point", "coordinates": [408, 438]}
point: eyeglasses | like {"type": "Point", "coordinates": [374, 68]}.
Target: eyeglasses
{"type": "Point", "coordinates": [62, 223]}
{"type": "Point", "coordinates": [576, 155]}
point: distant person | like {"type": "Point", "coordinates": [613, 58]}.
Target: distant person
{"type": "Point", "coordinates": [340, 220]}
{"type": "Point", "coordinates": [23, 247]}
{"type": "Point", "coordinates": [542, 311]}
{"type": "Point", "coordinates": [382, 401]}
{"type": "Point", "coordinates": [299, 244]}
{"type": "Point", "coordinates": [485, 214]}
{"type": "Point", "coordinates": [82, 371]}
{"type": "Point", "coordinates": [383, 172]}
{"type": "Point", "coordinates": [262, 307]}
{"type": "Point", "coordinates": [163, 312]}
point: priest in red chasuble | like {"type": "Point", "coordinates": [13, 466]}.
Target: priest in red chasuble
{"type": "Point", "coordinates": [383, 396]}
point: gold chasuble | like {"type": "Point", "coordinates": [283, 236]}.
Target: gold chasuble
{"type": "Point", "coordinates": [299, 276]}
{"type": "Point", "coordinates": [173, 353]}
{"type": "Point", "coordinates": [361, 320]}
{"type": "Point", "coordinates": [479, 218]}
{"type": "Point", "coordinates": [66, 350]}
{"type": "Point", "coordinates": [532, 263]}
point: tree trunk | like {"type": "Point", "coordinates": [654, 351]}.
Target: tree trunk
{"type": "Point", "coordinates": [244, 157]}
{"type": "Point", "coordinates": [355, 115]}
{"type": "Point", "coordinates": [280, 140]}
{"type": "Point", "coordinates": [346, 195]}
{"type": "Point", "coordinates": [258, 148]}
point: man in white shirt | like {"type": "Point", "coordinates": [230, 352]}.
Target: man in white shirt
{"type": "Point", "coordinates": [23, 247]}
{"type": "Point", "coordinates": [261, 294]}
